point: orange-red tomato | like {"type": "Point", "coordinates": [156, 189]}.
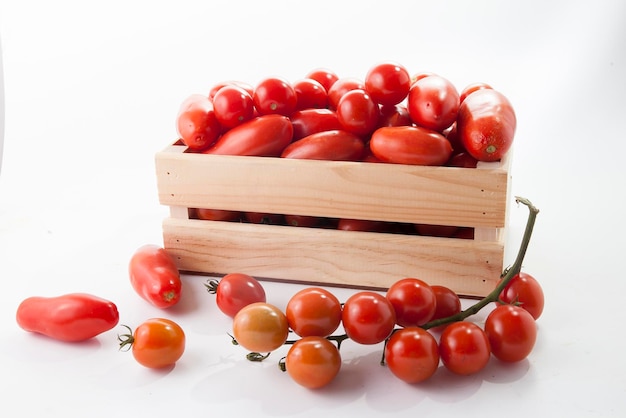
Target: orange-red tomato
{"type": "Point", "coordinates": [313, 362]}
{"type": "Point", "coordinates": [156, 343]}
{"type": "Point", "coordinates": [464, 348]}
{"type": "Point", "coordinates": [313, 311]}
{"type": "Point", "coordinates": [260, 327]}
{"type": "Point", "coordinates": [412, 354]}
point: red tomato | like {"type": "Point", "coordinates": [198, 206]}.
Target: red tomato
{"type": "Point", "coordinates": [274, 95]}
{"type": "Point", "coordinates": [313, 362]}
{"type": "Point", "coordinates": [394, 115]}
{"type": "Point", "coordinates": [217, 214]}
{"type": "Point", "coordinates": [311, 121]}
{"type": "Point", "coordinates": [247, 87]}
{"type": "Point", "coordinates": [156, 343]}
{"type": "Point", "coordinates": [341, 87]}
{"type": "Point", "coordinates": [197, 124]}
{"type": "Point", "coordinates": [363, 225]}
{"type": "Point", "coordinates": [368, 317]}
{"type": "Point", "coordinates": [464, 348]}
{"type": "Point", "coordinates": [525, 291]}
{"type": "Point", "coordinates": [264, 218]}
{"type": "Point", "coordinates": [260, 327]}
{"type": "Point", "coordinates": [235, 291]}
{"type": "Point", "coordinates": [413, 301]}
{"type": "Point", "coordinates": [436, 230]}
{"type": "Point", "coordinates": [155, 276]}
{"type": "Point", "coordinates": [447, 302]}
{"type": "Point", "coordinates": [71, 317]}
{"type": "Point", "coordinates": [357, 112]}
{"type": "Point", "coordinates": [412, 354]}
{"type": "Point", "coordinates": [263, 136]}
{"type": "Point", "coordinates": [486, 124]}
{"type": "Point", "coordinates": [310, 94]}
{"type": "Point", "coordinates": [233, 106]}
{"type": "Point", "coordinates": [512, 333]}
{"type": "Point", "coordinates": [410, 145]}
{"type": "Point", "coordinates": [471, 89]}
{"type": "Point", "coordinates": [323, 76]}
{"type": "Point", "coordinates": [433, 103]}
{"type": "Point", "coordinates": [452, 135]}
{"type": "Point", "coordinates": [388, 83]}
{"type": "Point", "coordinates": [313, 311]}
{"type": "Point", "coordinates": [302, 220]}
{"type": "Point", "coordinates": [462, 159]}
{"type": "Point", "coordinates": [335, 145]}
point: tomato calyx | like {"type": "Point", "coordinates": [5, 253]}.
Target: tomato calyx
{"type": "Point", "coordinates": [126, 340]}
{"type": "Point", "coordinates": [211, 286]}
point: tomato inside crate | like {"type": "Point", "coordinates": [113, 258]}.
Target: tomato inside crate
{"type": "Point", "coordinates": [474, 199]}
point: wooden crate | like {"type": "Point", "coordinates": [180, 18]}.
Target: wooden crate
{"type": "Point", "coordinates": [466, 197]}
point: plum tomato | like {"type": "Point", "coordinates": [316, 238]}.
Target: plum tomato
{"type": "Point", "coordinates": [525, 291]}
{"type": "Point", "coordinates": [464, 348]}
{"type": "Point", "coordinates": [324, 76]}
{"type": "Point", "coordinates": [358, 113]}
{"type": "Point", "coordinates": [341, 87]}
{"type": "Point", "coordinates": [235, 291]}
{"type": "Point", "coordinates": [413, 301]}
{"type": "Point", "coordinates": [313, 311]}
{"type": "Point", "coordinates": [433, 103]}
{"type": "Point", "coordinates": [156, 343]}
{"type": "Point", "coordinates": [512, 333]}
{"type": "Point", "coordinates": [70, 317]}
{"type": "Point", "coordinates": [471, 88]}
{"type": "Point", "coordinates": [260, 327]}
{"type": "Point", "coordinates": [388, 83]}
{"type": "Point", "coordinates": [394, 115]}
{"type": "Point", "coordinates": [274, 95]}
{"type": "Point", "coordinates": [196, 123]}
{"type": "Point", "coordinates": [311, 121]}
{"type": "Point", "coordinates": [486, 124]}
{"type": "Point", "coordinates": [310, 94]}
{"type": "Point", "coordinates": [313, 362]}
{"type": "Point", "coordinates": [337, 145]}
{"type": "Point", "coordinates": [154, 276]}
{"type": "Point", "coordinates": [216, 214]}
{"type": "Point", "coordinates": [412, 354]}
{"type": "Point", "coordinates": [233, 106]}
{"type": "Point", "coordinates": [410, 145]}
{"type": "Point", "coordinates": [368, 317]}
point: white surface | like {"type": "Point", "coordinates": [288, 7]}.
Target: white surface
{"type": "Point", "coordinates": [91, 94]}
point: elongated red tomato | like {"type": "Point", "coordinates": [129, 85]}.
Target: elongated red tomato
{"type": "Point", "coordinates": [410, 145]}
{"type": "Point", "coordinates": [486, 124]}
{"type": "Point", "coordinates": [335, 145]}
{"type": "Point", "coordinates": [155, 276]}
{"type": "Point", "coordinates": [71, 317]}
{"type": "Point", "coordinates": [196, 122]}
{"type": "Point", "coordinates": [263, 136]}
{"type": "Point", "coordinates": [311, 121]}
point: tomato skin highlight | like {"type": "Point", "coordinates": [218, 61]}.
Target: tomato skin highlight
{"type": "Point", "coordinates": [412, 354]}
{"type": "Point", "coordinates": [158, 343]}
{"type": "Point", "coordinates": [313, 362]}
{"type": "Point", "coordinates": [72, 317]}
{"type": "Point", "coordinates": [237, 290]}
{"type": "Point", "coordinates": [433, 103]}
{"type": "Point", "coordinates": [262, 136]}
{"type": "Point", "coordinates": [512, 333]}
{"type": "Point", "coordinates": [337, 145]}
{"type": "Point", "coordinates": [464, 348]}
{"type": "Point", "coordinates": [410, 145]}
{"type": "Point", "coordinates": [368, 317]}
{"type": "Point", "coordinates": [486, 124]}
{"type": "Point", "coordinates": [155, 276]}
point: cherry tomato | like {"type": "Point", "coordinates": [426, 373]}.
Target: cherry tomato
{"type": "Point", "coordinates": [264, 218]}
{"type": "Point", "coordinates": [155, 276]}
{"type": "Point", "coordinates": [235, 291]}
{"type": "Point", "coordinates": [302, 220]}
{"type": "Point", "coordinates": [512, 333]}
{"type": "Point", "coordinates": [323, 76]}
{"type": "Point", "coordinates": [310, 94]}
{"type": "Point", "coordinates": [357, 112]}
{"type": "Point", "coordinates": [394, 115]}
{"type": "Point", "coordinates": [524, 290]}
{"type": "Point", "coordinates": [433, 103]}
{"type": "Point", "coordinates": [233, 106]}
{"type": "Point", "coordinates": [452, 135]}
{"type": "Point", "coordinates": [462, 159]}
{"type": "Point", "coordinates": [313, 311]}
{"type": "Point", "coordinates": [263, 136]}
{"type": "Point", "coordinates": [486, 124]}
{"type": "Point", "coordinates": [413, 301]}
{"type": "Point", "coordinates": [410, 145]}
{"type": "Point", "coordinates": [464, 348]}
{"type": "Point", "coordinates": [335, 145]}
{"type": "Point", "coordinates": [274, 95]}
{"type": "Point", "coordinates": [311, 121]}
{"type": "Point", "coordinates": [197, 124]}
{"type": "Point", "coordinates": [388, 83]}
{"type": "Point", "coordinates": [368, 317]}
{"type": "Point", "coordinates": [341, 87]}
{"type": "Point", "coordinates": [216, 87]}
{"type": "Point", "coordinates": [471, 88]}
{"type": "Point", "coordinates": [418, 76]}
{"type": "Point", "coordinates": [71, 317]}
{"type": "Point", "coordinates": [436, 230]}
{"type": "Point", "coordinates": [412, 354]}
{"type": "Point", "coordinates": [217, 214]}
{"type": "Point", "coordinates": [447, 302]}
{"type": "Point", "coordinates": [156, 343]}
{"type": "Point", "coordinates": [313, 362]}
{"type": "Point", "coordinates": [260, 327]}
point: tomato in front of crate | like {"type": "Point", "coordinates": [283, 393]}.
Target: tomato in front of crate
{"type": "Point", "coordinates": [260, 327]}
{"type": "Point", "coordinates": [387, 83]}
{"type": "Point", "coordinates": [337, 145]}
{"type": "Point", "coordinates": [512, 333]}
{"type": "Point", "coordinates": [413, 301]}
{"type": "Point", "coordinates": [412, 354]}
{"type": "Point", "coordinates": [70, 317]}
{"type": "Point", "coordinates": [234, 291]}
{"type": "Point", "coordinates": [233, 106]}
{"type": "Point", "coordinates": [262, 136]}
{"type": "Point", "coordinates": [156, 343]}
{"type": "Point", "coordinates": [433, 103]}
{"type": "Point", "coordinates": [311, 121]}
{"type": "Point", "coordinates": [313, 311]}
{"type": "Point", "coordinates": [525, 291]}
{"type": "Point", "coordinates": [275, 96]}
{"type": "Point", "coordinates": [358, 113]}
{"type": "Point", "coordinates": [464, 348]}
{"type": "Point", "coordinates": [154, 276]}
{"type": "Point", "coordinates": [196, 123]}
{"type": "Point", "coordinates": [310, 94]}
{"type": "Point", "coordinates": [410, 145]}
{"type": "Point", "coordinates": [313, 362]}
{"type": "Point", "coordinates": [486, 124]}
{"type": "Point", "coordinates": [368, 317]}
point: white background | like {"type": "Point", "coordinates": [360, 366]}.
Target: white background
{"type": "Point", "coordinates": [91, 94]}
